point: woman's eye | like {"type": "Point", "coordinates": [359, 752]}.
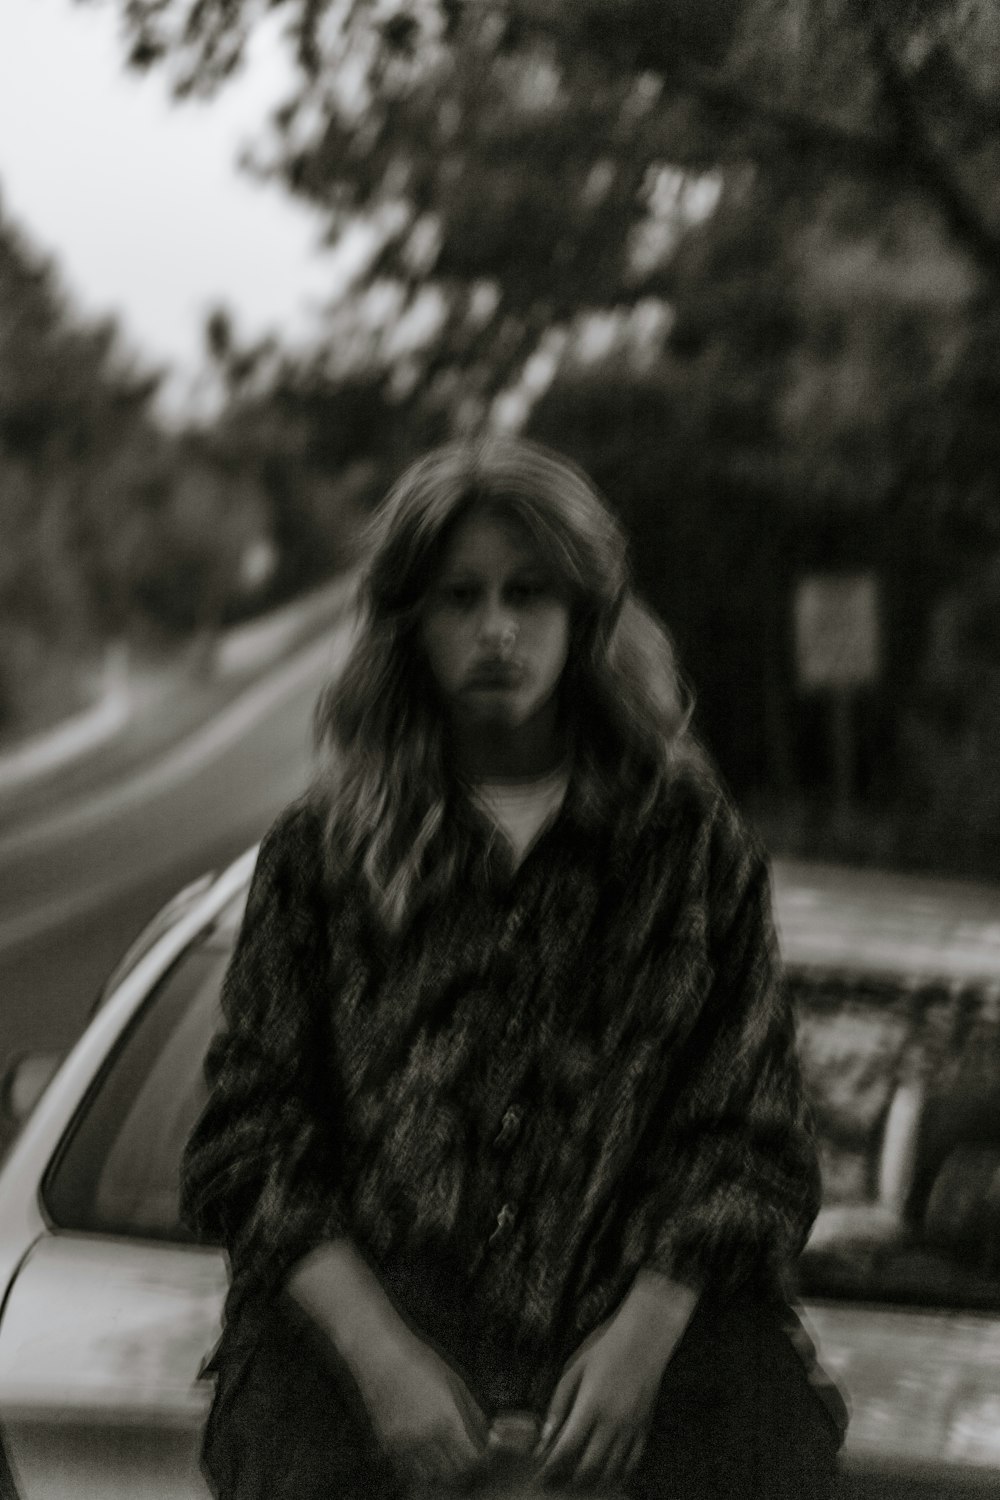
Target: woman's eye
{"type": "Point", "coordinates": [459, 595]}
{"type": "Point", "coordinates": [527, 591]}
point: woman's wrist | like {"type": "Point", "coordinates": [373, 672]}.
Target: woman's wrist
{"type": "Point", "coordinates": [340, 1292]}
{"type": "Point", "coordinates": [660, 1309]}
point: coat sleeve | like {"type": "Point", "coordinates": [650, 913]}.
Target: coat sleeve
{"type": "Point", "coordinates": [261, 1173]}
{"type": "Point", "coordinates": [739, 1186]}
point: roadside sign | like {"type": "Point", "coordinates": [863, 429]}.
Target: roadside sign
{"type": "Point", "coordinates": [836, 630]}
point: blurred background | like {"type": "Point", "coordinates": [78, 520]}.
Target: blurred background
{"type": "Point", "coordinates": [740, 260]}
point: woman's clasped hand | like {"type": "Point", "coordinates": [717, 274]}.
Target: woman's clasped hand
{"type": "Point", "coordinates": [424, 1415]}
{"type": "Point", "coordinates": [428, 1421]}
{"type": "Point", "coordinates": [598, 1419]}
{"type": "Point", "coordinates": [420, 1409]}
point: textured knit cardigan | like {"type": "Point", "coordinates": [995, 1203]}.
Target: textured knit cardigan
{"type": "Point", "coordinates": [557, 1076]}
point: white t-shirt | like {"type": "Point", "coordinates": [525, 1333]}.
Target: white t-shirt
{"type": "Point", "coordinates": [521, 809]}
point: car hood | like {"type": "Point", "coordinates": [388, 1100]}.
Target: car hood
{"type": "Point", "coordinates": [94, 1327]}
{"type": "Point", "coordinates": [873, 922]}
{"type": "Point", "coordinates": [922, 1386]}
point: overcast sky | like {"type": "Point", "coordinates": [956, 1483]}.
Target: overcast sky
{"type": "Point", "coordinates": [138, 200]}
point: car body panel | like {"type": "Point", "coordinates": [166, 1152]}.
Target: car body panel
{"type": "Point", "coordinates": [924, 1386]}
{"type": "Point", "coordinates": [96, 1324]}
{"type": "Point", "coordinates": [101, 1339]}
{"type": "Point", "coordinates": [886, 925]}
{"type": "Point", "coordinates": [91, 1462]}
{"type": "Point", "coordinates": [82, 1315]}
{"type": "Point", "coordinates": [102, 1346]}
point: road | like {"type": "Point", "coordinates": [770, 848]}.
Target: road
{"type": "Point", "coordinates": [79, 882]}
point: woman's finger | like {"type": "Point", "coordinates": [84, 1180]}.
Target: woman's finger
{"type": "Point", "coordinates": [416, 1465]}
{"type": "Point", "coordinates": [473, 1418]}
{"type": "Point", "coordinates": [615, 1460]}
{"type": "Point", "coordinates": [567, 1449]}
{"type": "Point", "coordinates": [634, 1454]}
{"type": "Point", "coordinates": [593, 1459]}
{"type": "Point", "coordinates": [459, 1454]}
{"type": "Point", "coordinates": [559, 1408]}
{"type": "Point", "coordinates": [445, 1462]}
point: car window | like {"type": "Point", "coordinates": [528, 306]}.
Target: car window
{"type": "Point", "coordinates": [905, 1087]}
{"type": "Point", "coordinates": [151, 934]}
{"type": "Point", "coordinates": [118, 1172]}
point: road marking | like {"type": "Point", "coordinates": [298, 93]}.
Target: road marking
{"type": "Point", "coordinates": [207, 743]}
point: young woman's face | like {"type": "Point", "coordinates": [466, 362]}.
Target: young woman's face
{"type": "Point", "coordinates": [496, 624]}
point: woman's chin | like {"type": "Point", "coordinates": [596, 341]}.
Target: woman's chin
{"type": "Point", "coordinates": [494, 711]}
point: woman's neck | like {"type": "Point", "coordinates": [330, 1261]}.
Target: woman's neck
{"type": "Point", "coordinates": [498, 753]}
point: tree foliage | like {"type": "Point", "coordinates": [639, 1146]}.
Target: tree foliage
{"type": "Point", "coordinates": [313, 445]}
{"type": "Point", "coordinates": [742, 257]}
{"type": "Point", "coordinates": [72, 421]}
{"type": "Point", "coordinates": [401, 105]}
{"type": "Point", "coordinates": [112, 526]}
{"type": "Point", "coordinates": [522, 164]}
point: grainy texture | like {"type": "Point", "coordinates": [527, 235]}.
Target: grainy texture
{"type": "Point", "coordinates": [563, 1074]}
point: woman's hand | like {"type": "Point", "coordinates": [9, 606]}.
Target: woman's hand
{"type": "Point", "coordinates": [422, 1412]}
{"type": "Point", "coordinates": [596, 1425]}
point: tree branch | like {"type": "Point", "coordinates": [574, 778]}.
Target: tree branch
{"type": "Point", "coordinates": [801, 134]}
{"type": "Point", "coordinates": [928, 167]}
{"type": "Point", "coordinates": [908, 157]}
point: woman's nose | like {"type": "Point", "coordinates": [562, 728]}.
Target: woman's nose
{"type": "Point", "coordinates": [496, 622]}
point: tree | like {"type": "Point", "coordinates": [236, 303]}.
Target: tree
{"type": "Point", "coordinates": [952, 799]}
{"type": "Point", "coordinates": [401, 107]}
{"type": "Point", "coordinates": [778, 219]}
{"type": "Point", "coordinates": [521, 165]}
{"type": "Point", "coordinates": [113, 527]}
{"type": "Point", "coordinates": [71, 407]}
{"type": "Point", "coordinates": [313, 442]}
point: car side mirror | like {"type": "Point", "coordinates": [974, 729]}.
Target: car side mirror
{"type": "Point", "coordinates": [24, 1083]}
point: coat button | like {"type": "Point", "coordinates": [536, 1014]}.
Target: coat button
{"type": "Point", "coordinates": [504, 1223]}
{"type": "Point", "coordinates": [509, 1126]}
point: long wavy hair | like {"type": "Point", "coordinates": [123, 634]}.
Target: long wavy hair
{"type": "Point", "coordinates": [386, 780]}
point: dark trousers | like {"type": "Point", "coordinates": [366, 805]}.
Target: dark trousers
{"type": "Point", "coordinates": [737, 1417]}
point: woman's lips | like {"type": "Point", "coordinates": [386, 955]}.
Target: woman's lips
{"type": "Point", "coordinates": [494, 676]}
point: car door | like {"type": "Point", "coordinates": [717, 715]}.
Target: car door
{"type": "Point", "coordinates": [113, 1309]}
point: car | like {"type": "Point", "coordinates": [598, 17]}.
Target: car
{"type": "Point", "coordinates": [109, 1307]}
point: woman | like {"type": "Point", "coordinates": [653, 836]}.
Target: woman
{"type": "Point", "coordinates": [506, 1115]}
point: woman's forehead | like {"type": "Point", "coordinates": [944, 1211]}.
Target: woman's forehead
{"type": "Point", "coordinates": [490, 539]}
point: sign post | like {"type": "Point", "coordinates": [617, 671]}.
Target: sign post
{"type": "Point", "coordinates": [837, 649]}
